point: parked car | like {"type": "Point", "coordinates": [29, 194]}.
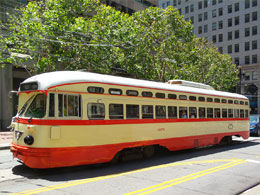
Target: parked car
{"type": "Point", "coordinates": [254, 125]}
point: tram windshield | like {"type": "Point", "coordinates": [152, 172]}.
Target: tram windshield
{"type": "Point", "coordinates": [37, 108]}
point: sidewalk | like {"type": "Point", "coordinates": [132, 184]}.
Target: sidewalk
{"type": "Point", "coordinates": [5, 139]}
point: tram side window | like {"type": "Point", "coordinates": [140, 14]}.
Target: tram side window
{"type": "Point", "coordinates": [224, 113]}
{"type": "Point", "coordinates": [209, 112]}
{"type": "Point", "coordinates": [224, 101]}
{"type": "Point", "coordinates": [246, 103]}
{"type": "Point", "coordinates": [172, 111]}
{"type": "Point", "coordinates": [192, 112]}
{"type": "Point", "coordinates": [131, 92]}
{"type": "Point", "coordinates": [230, 101]}
{"type": "Point", "coordinates": [242, 115]}
{"type": "Point", "coordinates": [147, 94]}
{"type": "Point", "coordinates": [217, 100]}
{"type": "Point", "coordinates": [132, 111]}
{"type": "Point", "coordinates": [183, 112]}
{"type": "Point", "coordinates": [113, 91]}
{"type": "Point", "coordinates": [51, 105]}
{"type": "Point", "coordinates": [160, 111]}
{"type": "Point", "coordinates": [182, 97]}
{"type": "Point", "coordinates": [160, 95]}
{"type": "Point", "coordinates": [236, 102]}
{"type": "Point", "coordinates": [69, 105]}
{"type": "Point", "coordinates": [202, 113]}
{"type": "Point", "coordinates": [92, 89]}
{"type": "Point", "coordinates": [242, 102]}
{"type": "Point", "coordinates": [236, 113]}
{"type": "Point", "coordinates": [246, 114]}
{"type": "Point", "coordinates": [96, 111]}
{"type": "Point", "coordinates": [147, 112]}
{"type": "Point", "coordinates": [209, 99]}
{"type": "Point", "coordinates": [193, 98]}
{"type": "Point", "coordinates": [116, 111]}
{"type": "Point", "coordinates": [217, 112]}
{"type": "Point", "coordinates": [201, 99]}
{"type": "Point", "coordinates": [172, 96]}
{"type": "Point", "coordinates": [230, 113]}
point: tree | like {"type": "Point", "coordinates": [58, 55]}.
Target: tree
{"type": "Point", "coordinates": [153, 44]}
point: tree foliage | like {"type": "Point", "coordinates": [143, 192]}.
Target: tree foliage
{"type": "Point", "coordinates": [156, 44]}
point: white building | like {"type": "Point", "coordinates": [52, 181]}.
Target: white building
{"type": "Point", "coordinates": [234, 27]}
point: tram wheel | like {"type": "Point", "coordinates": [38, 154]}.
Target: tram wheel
{"type": "Point", "coordinates": [148, 151]}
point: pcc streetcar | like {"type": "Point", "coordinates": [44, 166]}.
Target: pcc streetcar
{"type": "Point", "coordinates": [70, 118]}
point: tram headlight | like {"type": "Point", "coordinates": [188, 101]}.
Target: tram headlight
{"type": "Point", "coordinates": [29, 140]}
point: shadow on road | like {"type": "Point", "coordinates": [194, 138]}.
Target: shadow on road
{"type": "Point", "coordinates": [92, 171]}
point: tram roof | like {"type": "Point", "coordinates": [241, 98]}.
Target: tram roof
{"type": "Point", "coordinates": [52, 79]}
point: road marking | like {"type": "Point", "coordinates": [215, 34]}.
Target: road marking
{"type": "Point", "coordinates": [84, 181]}
{"type": "Point", "coordinates": [253, 161]}
{"type": "Point", "coordinates": [185, 178]}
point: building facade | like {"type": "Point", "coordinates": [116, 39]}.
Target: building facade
{"type": "Point", "coordinates": [11, 76]}
{"type": "Point", "coordinates": [132, 5]}
{"type": "Point", "coordinates": [234, 28]}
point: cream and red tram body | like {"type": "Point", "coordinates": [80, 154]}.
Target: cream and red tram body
{"type": "Point", "coordinates": [71, 118]}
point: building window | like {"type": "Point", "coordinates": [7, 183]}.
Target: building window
{"type": "Point", "coordinates": [247, 18]}
{"type": "Point", "coordinates": [200, 5]}
{"type": "Point", "coordinates": [254, 3]}
{"type": "Point", "coordinates": [247, 4]}
{"type": "Point", "coordinates": [220, 1]}
{"type": "Point", "coordinates": [220, 11]}
{"type": "Point", "coordinates": [229, 22]}
{"type": "Point", "coordinates": [236, 61]}
{"type": "Point", "coordinates": [205, 28]}
{"type": "Point", "coordinates": [254, 59]}
{"type": "Point", "coordinates": [200, 29]}
{"type": "Point", "coordinates": [247, 46]}
{"type": "Point", "coordinates": [247, 59]}
{"type": "Point", "coordinates": [247, 76]}
{"type": "Point", "coordinates": [179, 10]}
{"type": "Point", "coordinates": [236, 48]}
{"type": "Point", "coordinates": [220, 25]}
{"type": "Point", "coordinates": [229, 9]}
{"type": "Point", "coordinates": [192, 8]}
{"type": "Point", "coordinates": [220, 38]}
{"type": "Point", "coordinates": [192, 19]}
{"type": "Point", "coordinates": [254, 16]}
{"type": "Point", "coordinates": [174, 2]}
{"type": "Point", "coordinates": [236, 34]}
{"type": "Point", "coordinates": [229, 48]}
{"type": "Point", "coordinates": [214, 13]}
{"type": "Point", "coordinates": [237, 20]}
{"type": "Point", "coordinates": [214, 26]}
{"type": "Point", "coordinates": [220, 49]}
{"type": "Point", "coordinates": [254, 45]}
{"type": "Point", "coordinates": [230, 35]}
{"type": "Point", "coordinates": [247, 32]}
{"type": "Point", "coordinates": [254, 30]}
{"type": "Point", "coordinates": [214, 38]}
{"type": "Point", "coordinates": [186, 9]}
{"type": "Point", "coordinates": [214, 2]}
{"type": "Point", "coordinates": [254, 75]}
{"type": "Point", "coordinates": [179, 2]}
{"type": "Point", "coordinates": [205, 3]}
{"type": "Point", "coordinates": [236, 7]}
{"type": "Point", "coordinates": [200, 17]}
{"type": "Point", "coordinates": [205, 15]}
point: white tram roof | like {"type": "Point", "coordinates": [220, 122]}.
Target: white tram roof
{"type": "Point", "coordinates": [51, 79]}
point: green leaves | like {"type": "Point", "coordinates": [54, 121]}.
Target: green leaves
{"type": "Point", "coordinates": [152, 44]}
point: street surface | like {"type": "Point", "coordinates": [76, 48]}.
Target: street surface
{"type": "Point", "coordinates": [225, 170]}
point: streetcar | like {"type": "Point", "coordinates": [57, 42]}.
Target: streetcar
{"type": "Point", "coordinates": [70, 118]}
